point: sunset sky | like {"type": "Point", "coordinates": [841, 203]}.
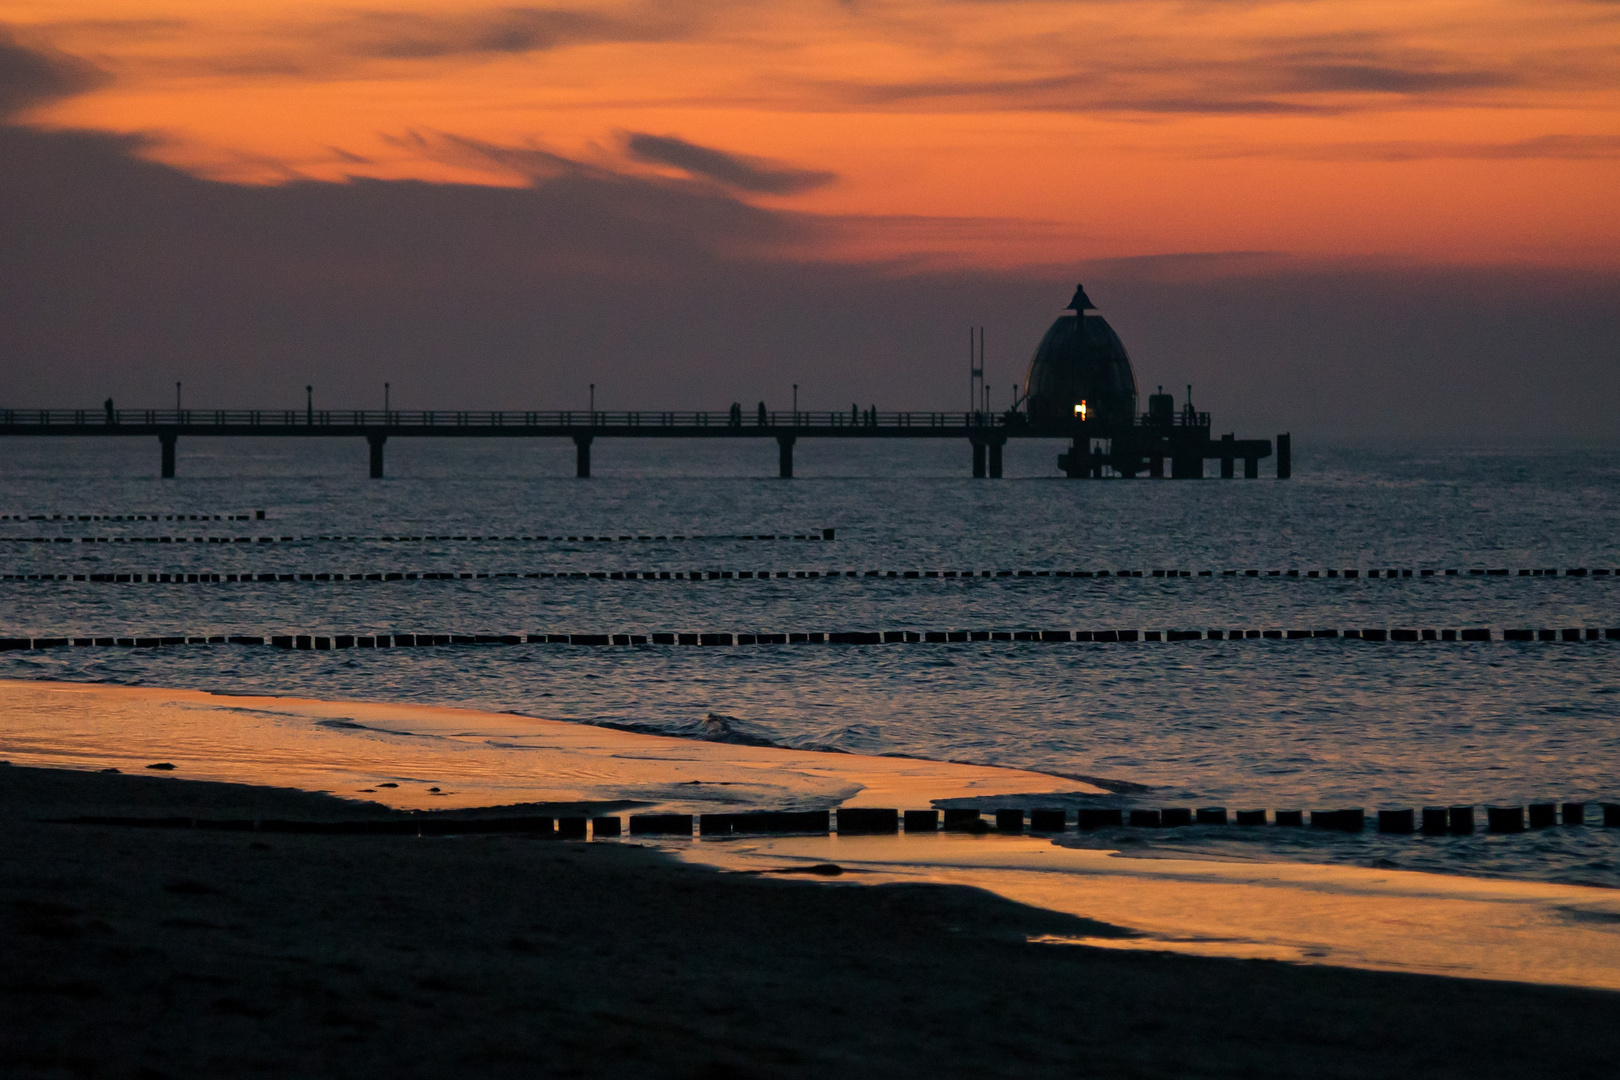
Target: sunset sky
{"type": "Point", "coordinates": [1020, 140]}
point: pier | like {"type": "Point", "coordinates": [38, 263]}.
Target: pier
{"type": "Point", "coordinates": [1098, 448]}
{"type": "Point", "coordinates": [1080, 386]}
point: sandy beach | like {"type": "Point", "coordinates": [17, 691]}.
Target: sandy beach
{"type": "Point", "coordinates": [189, 952]}
{"type": "Point", "coordinates": [150, 952]}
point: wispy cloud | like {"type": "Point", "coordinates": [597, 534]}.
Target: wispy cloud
{"type": "Point", "coordinates": [513, 30]}
{"type": "Point", "coordinates": [1541, 147]}
{"type": "Point", "coordinates": [755, 175]}
{"type": "Point", "coordinates": [1105, 56]}
{"type": "Point", "coordinates": [706, 217]}
{"type": "Point", "coordinates": [1230, 75]}
{"type": "Point", "coordinates": [355, 42]}
{"type": "Point", "coordinates": [529, 162]}
{"type": "Point", "coordinates": [1385, 78]}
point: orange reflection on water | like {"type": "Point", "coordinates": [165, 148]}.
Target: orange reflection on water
{"type": "Point", "coordinates": [1524, 931]}
{"type": "Point", "coordinates": [445, 757]}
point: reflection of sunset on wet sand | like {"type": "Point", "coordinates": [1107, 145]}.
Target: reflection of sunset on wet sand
{"type": "Point", "coordinates": [1351, 916]}
{"type": "Point", "coordinates": [457, 758]}
{"type": "Point", "coordinates": [467, 758]}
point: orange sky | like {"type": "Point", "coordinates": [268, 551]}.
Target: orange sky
{"type": "Point", "coordinates": [1455, 131]}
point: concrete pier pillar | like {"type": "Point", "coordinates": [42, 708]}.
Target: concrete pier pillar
{"type": "Point", "coordinates": [1227, 456]}
{"type": "Point", "coordinates": [784, 456]}
{"type": "Point", "coordinates": [1251, 468]}
{"type": "Point", "coordinates": [978, 459]}
{"type": "Point", "coordinates": [1156, 467]}
{"type": "Point", "coordinates": [376, 442]}
{"type": "Point", "coordinates": [1075, 464]}
{"type": "Point", "coordinates": [995, 458]}
{"type": "Point", "coordinates": [167, 442]}
{"type": "Point", "coordinates": [582, 456]}
{"type": "Point", "coordinates": [1187, 467]}
{"type": "Point", "coordinates": [1285, 456]}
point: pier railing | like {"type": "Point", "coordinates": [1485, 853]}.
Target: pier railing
{"type": "Point", "coordinates": [566, 418]}
{"type": "Point", "coordinates": [583, 419]}
{"type": "Point", "coordinates": [1180, 419]}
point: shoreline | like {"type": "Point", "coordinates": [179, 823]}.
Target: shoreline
{"type": "Point", "coordinates": [433, 757]}
{"type": "Point", "coordinates": [1309, 913]}
{"type": "Point", "coordinates": [336, 754]}
{"type": "Point", "coordinates": [188, 952]}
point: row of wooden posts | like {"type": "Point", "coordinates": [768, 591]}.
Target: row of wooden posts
{"type": "Point", "coordinates": [211, 577]}
{"type": "Point", "coordinates": [321, 642]}
{"type": "Point", "coordinates": [881, 821]}
{"type": "Point", "coordinates": [1433, 820]}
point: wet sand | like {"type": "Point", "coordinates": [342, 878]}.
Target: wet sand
{"type": "Point", "coordinates": [190, 952]}
{"type": "Point", "coordinates": [155, 952]}
{"type": "Point", "coordinates": [401, 757]}
{"type": "Point", "coordinates": [438, 758]}
{"type": "Point", "coordinates": [1350, 916]}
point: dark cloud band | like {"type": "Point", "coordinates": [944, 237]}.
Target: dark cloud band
{"type": "Point", "coordinates": [34, 76]}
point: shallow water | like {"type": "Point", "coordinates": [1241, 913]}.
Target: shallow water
{"type": "Point", "coordinates": [1306, 724]}
{"type": "Point", "coordinates": [1382, 918]}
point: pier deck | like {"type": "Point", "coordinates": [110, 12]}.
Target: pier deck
{"type": "Point", "coordinates": [1138, 449]}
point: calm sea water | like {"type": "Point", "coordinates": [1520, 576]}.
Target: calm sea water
{"type": "Point", "coordinates": [1309, 724]}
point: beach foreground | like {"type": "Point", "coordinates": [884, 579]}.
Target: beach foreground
{"type": "Point", "coordinates": [160, 952]}
{"type": "Point", "coordinates": [392, 760]}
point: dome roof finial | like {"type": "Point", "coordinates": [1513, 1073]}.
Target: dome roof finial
{"type": "Point", "coordinates": [1081, 302]}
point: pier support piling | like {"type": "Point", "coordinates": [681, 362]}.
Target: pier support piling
{"type": "Point", "coordinates": [376, 442]}
{"type": "Point", "coordinates": [1251, 468]}
{"type": "Point", "coordinates": [995, 457]}
{"type": "Point", "coordinates": [1285, 456]}
{"type": "Point", "coordinates": [1076, 464]}
{"type": "Point", "coordinates": [1227, 456]}
{"type": "Point", "coordinates": [978, 459]}
{"type": "Point", "coordinates": [784, 456]}
{"type": "Point", "coordinates": [167, 443]}
{"type": "Point", "coordinates": [582, 456]}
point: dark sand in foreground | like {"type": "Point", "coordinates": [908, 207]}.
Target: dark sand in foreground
{"type": "Point", "coordinates": [155, 952]}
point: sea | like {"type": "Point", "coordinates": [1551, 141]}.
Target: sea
{"type": "Point", "coordinates": [894, 537]}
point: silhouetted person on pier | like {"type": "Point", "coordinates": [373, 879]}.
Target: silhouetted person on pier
{"type": "Point", "coordinates": [108, 406]}
{"type": "Point", "coordinates": [762, 414]}
{"type": "Point", "coordinates": [736, 414]}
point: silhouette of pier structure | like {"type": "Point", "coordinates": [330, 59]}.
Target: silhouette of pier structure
{"type": "Point", "coordinates": [1184, 440]}
{"type": "Point", "coordinates": [1080, 387]}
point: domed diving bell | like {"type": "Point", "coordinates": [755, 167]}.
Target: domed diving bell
{"type": "Point", "coordinates": [1080, 373]}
